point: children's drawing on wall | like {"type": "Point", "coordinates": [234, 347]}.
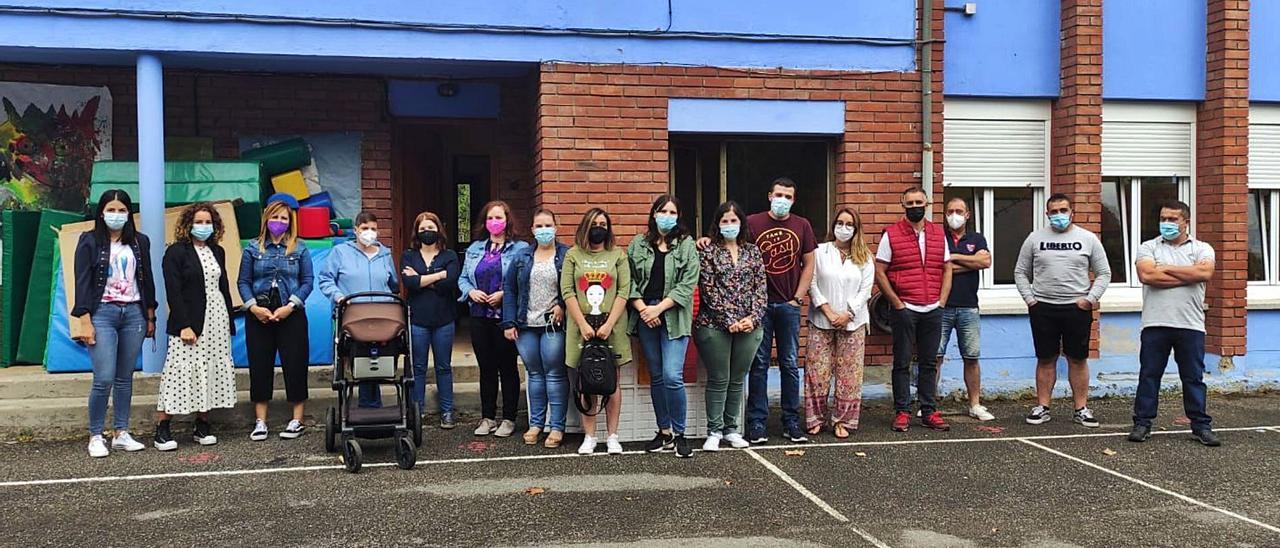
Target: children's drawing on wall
{"type": "Point", "coordinates": [50, 136]}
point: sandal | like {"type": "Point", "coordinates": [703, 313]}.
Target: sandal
{"type": "Point", "coordinates": [815, 430]}
{"type": "Point", "coordinates": [841, 432]}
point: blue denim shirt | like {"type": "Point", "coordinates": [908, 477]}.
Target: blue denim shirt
{"type": "Point", "coordinates": [475, 252]}
{"type": "Point", "coordinates": [515, 286]}
{"type": "Point", "coordinates": [290, 272]}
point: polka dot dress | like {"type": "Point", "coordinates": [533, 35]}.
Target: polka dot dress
{"type": "Point", "coordinates": [200, 377]}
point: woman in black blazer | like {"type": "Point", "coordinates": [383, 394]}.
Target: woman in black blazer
{"type": "Point", "coordinates": [198, 371]}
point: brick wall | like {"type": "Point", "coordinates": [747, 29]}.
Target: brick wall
{"type": "Point", "coordinates": [1222, 185]}
{"type": "Point", "coordinates": [1077, 119]}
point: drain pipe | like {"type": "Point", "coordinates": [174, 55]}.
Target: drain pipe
{"type": "Point", "coordinates": [926, 96]}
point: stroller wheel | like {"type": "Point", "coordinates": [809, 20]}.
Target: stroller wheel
{"type": "Point", "coordinates": [415, 426]}
{"type": "Point", "coordinates": [406, 453]}
{"type": "Point", "coordinates": [331, 430]}
{"type": "Point", "coordinates": [352, 456]}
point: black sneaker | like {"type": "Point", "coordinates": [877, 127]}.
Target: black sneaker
{"type": "Point", "coordinates": [756, 434]}
{"type": "Point", "coordinates": [164, 437]}
{"type": "Point", "coordinates": [1039, 415]}
{"type": "Point", "coordinates": [294, 430]}
{"type": "Point", "coordinates": [1207, 437]}
{"type": "Point", "coordinates": [1140, 433]}
{"type": "Point", "coordinates": [201, 433]}
{"type": "Point", "coordinates": [1084, 417]}
{"type": "Point", "coordinates": [682, 447]}
{"type": "Point", "coordinates": [660, 442]}
{"type": "Point", "coordinates": [796, 435]}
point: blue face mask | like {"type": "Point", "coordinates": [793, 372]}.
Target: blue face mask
{"type": "Point", "coordinates": [665, 222]}
{"type": "Point", "coordinates": [544, 235]}
{"type": "Point", "coordinates": [730, 232]}
{"type": "Point", "coordinates": [201, 232]}
{"type": "Point", "coordinates": [114, 220]}
{"type": "Point", "coordinates": [1060, 221]}
{"type": "Point", "coordinates": [1170, 231]}
{"type": "Point", "coordinates": [780, 206]}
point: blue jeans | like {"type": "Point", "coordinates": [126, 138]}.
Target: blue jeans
{"type": "Point", "coordinates": [439, 341]}
{"type": "Point", "coordinates": [665, 357]}
{"type": "Point", "coordinates": [543, 354]}
{"type": "Point", "coordinates": [118, 330]}
{"type": "Point", "coordinates": [1188, 352]}
{"type": "Point", "coordinates": [968, 327]}
{"type": "Point", "coordinates": [781, 322]}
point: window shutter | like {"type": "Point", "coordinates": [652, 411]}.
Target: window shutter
{"type": "Point", "coordinates": [1264, 155]}
{"type": "Point", "coordinates": [1156, 149]}
{"type": "Point", "coordinates": [995, 153]}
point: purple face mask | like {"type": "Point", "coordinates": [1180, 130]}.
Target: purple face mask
{"type": "Point", "coordinates": [277, 227]}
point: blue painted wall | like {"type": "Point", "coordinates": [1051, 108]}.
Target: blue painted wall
{"type": "Point", "coordinates": [385, 30]}
{"type": "Point", "coordinates": [1153, 49]}
{"type": "Point", "coordinates": [1008, 49]}
{"type": "Point", "coordinates": [421, 99]}
{"type": "Point", "coordinates": [1264, 44]}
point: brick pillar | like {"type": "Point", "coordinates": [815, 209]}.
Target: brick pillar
{"type": "Point", "coordinates": [1222, 159]}
{"type": "Point", "coordinates": [1077, 119]}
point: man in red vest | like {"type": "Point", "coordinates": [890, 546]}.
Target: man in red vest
{"type": "Point", "coordinates": [913, 270]}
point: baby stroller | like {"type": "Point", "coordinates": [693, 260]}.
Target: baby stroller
{"type": "Point", "coordinates": [372, 345]}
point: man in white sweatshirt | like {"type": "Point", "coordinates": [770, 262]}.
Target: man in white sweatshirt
{"type": "Point", "coordinates": [1052, 275]}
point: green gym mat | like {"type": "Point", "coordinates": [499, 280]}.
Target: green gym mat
{"type": "Point", "coordinates": [35, 316]}
{"type": "Point", "coordinates": [19, 236]}
{"type": "Point", "coordinates": [280, 157]}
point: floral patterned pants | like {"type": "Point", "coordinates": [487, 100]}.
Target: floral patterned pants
{"type": "Point", "coordinates": [838, 354]}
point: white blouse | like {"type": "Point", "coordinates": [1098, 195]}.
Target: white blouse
{"type": "Point", "coordinates": [843, 285]}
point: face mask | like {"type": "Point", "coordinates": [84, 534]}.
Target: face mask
{"type": "Point", "coordinates": [1060, 221]}
{"type": "Point", "coordinates": [597, 234]}
{"type": "Point", "coordinates": [780, 207]}
{"type": "Point", "coordinates": [730, 232]}
{"type": "Point", "coordinates": [544, 235]}
{"type": "Point", "coordinates": [114, 220]}
{"type": "Point", "coordinates": [1170, 231]}
{"type": "Point", "coordinates": [496, 226]}
{"type": "Point", "coordinates": [201, 232]}
{"type": "Point", "coordinates": [844, 233]}
{"type": "Point", "coordinates": [956, 221]}
{"type": "Point", "coordinates": [369, 237]}
{"type": "Point", "coordinates": [428, 237]}
{"type": "Point", "coordinates": [914, 214]}
{"type": "Point", "coordinates": [277, 227]}
{"type": "Point", "coordinates": [665, 222]}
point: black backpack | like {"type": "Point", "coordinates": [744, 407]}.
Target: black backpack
{"type": "Point", "coordinates": [597, 376]}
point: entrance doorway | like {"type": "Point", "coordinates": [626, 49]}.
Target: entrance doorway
{"type": "Point", "coordinates": [443, 167]}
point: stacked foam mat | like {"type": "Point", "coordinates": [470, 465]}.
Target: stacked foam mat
{"type": "Point", "coordinates": [188, 182]}
{"type": "Point", "coordinates": [19, 233]}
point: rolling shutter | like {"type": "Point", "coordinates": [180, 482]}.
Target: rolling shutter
{"type": "Point", "coordinates": [995, 153]}
{"type": "Point", "coordinates": [1264, 155]}
{"type": "Point", "coordinates": [1157, 149]}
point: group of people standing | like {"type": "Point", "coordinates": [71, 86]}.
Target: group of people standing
{"type": "Point", "coordinates": [752, 274]}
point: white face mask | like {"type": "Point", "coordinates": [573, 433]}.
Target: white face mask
{"type": "Point", "coordinates": [369, 237]}
{"type": "Point", "coordinates": [956, 221]}
{"type": "Point", "coordinates": [843, 233]}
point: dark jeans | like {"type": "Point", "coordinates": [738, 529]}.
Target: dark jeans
{"type": "Point", "coordinates": [918, 334]}
{"type": "Point", "coordinates": [437, 341]}
{"type": "Point", "coordinates": [289, 339]}
{"type": "Point", "coordinates": [781, 322]}
{"type": "Point", "coordinates": [1188, 352]}
{"type": "Point", "coordinates": [497, 359]}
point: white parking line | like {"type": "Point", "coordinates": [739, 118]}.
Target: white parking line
{"type": "Point", "coordinates": [286, 469]}
{"type": "Point", "coordinates": [814, 498]}
{"type": "Point", "coordinates": [1156, 488]}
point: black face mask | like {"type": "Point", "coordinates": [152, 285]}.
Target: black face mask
{"type": "Point", "coordinates": [428, 237]}
{"type": "Point", "coordinates": [597, 235]}
{"type": "Point", "coordinates": [914, 214]}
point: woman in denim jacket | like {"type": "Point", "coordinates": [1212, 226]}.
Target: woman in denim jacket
{"type": "Point", "coordinates": [533, 318]}
{"type": "Point", "coordinates": [275, 280]}
{"type": "Point", "coordinates": [481, 285]}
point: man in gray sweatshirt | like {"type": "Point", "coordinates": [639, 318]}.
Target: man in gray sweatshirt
{"type": "Point", "coordinates": [1053, 278]}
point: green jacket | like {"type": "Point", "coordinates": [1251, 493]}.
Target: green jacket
{"type": "Point", "coordinates": [682, 268]}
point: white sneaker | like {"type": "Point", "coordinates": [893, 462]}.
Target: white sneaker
{"type": "Point", "coordinates": [293, 430]}
{"type": "Point", "coordinates": [614, 446]}
{"type": "Point", "coordinates": [588, 446]}
{"type": "Point", "coordinates": [98, 447]}
{"type": "Point", "coordinates": [259, 431]}
{"type": "Point", "coordinates": [713, 442]}
{"type": "Point", "coordinates": [736, 440]}
{"type": "Point", "coordinates": [123, 440]}
{"type": "Point", "coordinates": [980, 412]}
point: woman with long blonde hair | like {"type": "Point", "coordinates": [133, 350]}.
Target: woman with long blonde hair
{"type": "Point", "coordinates": [275, 280]}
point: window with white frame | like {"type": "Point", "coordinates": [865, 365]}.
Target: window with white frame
{"type": "Point", "coordinates": [996, 157]}
{"type": "Point", "coordinates": [1148, 159]}
{"type": "Point", "coordinates": [1263, 208]}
